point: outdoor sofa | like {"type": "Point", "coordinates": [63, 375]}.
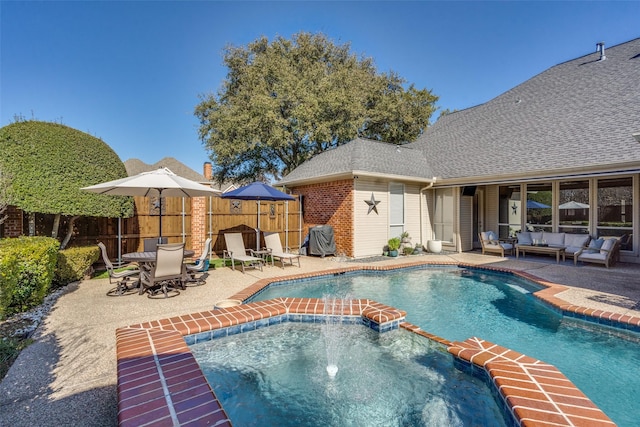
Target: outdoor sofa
{"type": "Point", "coordinates": [572, 243]}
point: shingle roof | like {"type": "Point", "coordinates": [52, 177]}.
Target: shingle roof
{"type": "Point", "coordinates": [578, 114]}
{"type": "Point", "coordinates": [362, 155]}
{"type": "Point", "coordinates": [136, 166]}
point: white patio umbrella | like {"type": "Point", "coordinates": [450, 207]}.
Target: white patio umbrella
{"type": "Point", "coordinates": [160, 182]}
{"type": "Point", "coordinates": [573, 205]}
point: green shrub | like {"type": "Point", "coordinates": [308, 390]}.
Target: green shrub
{"type": "Point", "coordinates": [74, 264]}
{"type": "Point", "coordinates": [27, 267]}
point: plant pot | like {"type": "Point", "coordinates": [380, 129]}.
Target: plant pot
{"type": "Point", "coordinates": [393, 253]}
{"type": "Point", "coordinates": [434, 246]}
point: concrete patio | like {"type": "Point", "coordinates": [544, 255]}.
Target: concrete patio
{"type": "Point", "coordinates": [68, 376]}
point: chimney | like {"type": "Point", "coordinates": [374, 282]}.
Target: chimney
{"type": "Point", "coordinates": [208, 171]}
{"type": "Point", "coordinates": [600, 48]}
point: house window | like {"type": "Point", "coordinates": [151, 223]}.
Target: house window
{"type": "Point", "coordinates": [539, 202]}
{"type": "Point", "coordinates": [510, 211]}
{"type": "Point", "coordinates": [396, 209]}
{"type": "Point", "coordinates": [444, 214]}
{"type": "Point", "coordinates": [573, 208]}
{"type": "Point", "coordinates": [615, 214]}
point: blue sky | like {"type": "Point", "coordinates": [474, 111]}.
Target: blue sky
{"type": "Point", "coordinates": [131, 73]}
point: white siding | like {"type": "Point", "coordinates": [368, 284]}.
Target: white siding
{"type": "Point", "coordinates": [372, 229]}
{"type": "Point", "coordinates": [412, 212]}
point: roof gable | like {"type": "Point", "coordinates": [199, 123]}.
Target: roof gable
{"type": "Point", "coordinates": [362, 156]}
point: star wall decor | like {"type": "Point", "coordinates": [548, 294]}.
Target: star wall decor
{"type": "Point", "coordinates": [373, 204]}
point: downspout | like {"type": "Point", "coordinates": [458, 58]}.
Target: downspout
{"type": "Point", "coordinates": [421, 201]}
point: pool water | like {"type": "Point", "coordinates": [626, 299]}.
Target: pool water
{"type": "Point", "coordinates": [277, 376]}
{"type": "Point", "coordinates": [457, 304]}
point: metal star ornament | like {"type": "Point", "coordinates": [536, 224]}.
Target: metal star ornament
{"type": "Point", "coordinates": [373, 204]}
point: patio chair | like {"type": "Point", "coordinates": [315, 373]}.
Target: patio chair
{"type": "Point", "coordinates": [274, 246]}
{"type": "Point", "coordinates": [201, 265]}
{"type": "Point", "coordinates": [607, 254]}
{"type": "Point", "coordinates": [237, 252]}
{"type": "Point", "coordinates": [490, 243]}
{"type": "Point", "coordinates": [121, 278]}
{"type": "Point", "coordinates": [167, 272]}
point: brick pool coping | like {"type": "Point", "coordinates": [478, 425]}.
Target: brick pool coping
{"type": "Point", "coordinates": [160, 383]}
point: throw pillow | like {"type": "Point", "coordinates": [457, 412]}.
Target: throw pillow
{"type": "Point", "coordinates": [595, 245]}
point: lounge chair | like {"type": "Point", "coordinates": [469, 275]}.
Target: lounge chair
{"type": "Point", "coordinates": [167, 272]}
{"type": "Point", "coordinates": [607, 254]}
{"type": "Point", "coordinates": [274, 246]}
{"type": "Point", "coordinates": [121, 278]}
{"type": "Point", "coordinates": [237, 252]}
{"type": "Point", "coordinates": [490, 243]}
{"type": "Point", "coordinates": [201, 265]}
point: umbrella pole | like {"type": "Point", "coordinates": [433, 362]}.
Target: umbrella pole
{"type": "Point", "coordinates": [258, 229]}
{"type": "Point", "coordinates": [160, 219]}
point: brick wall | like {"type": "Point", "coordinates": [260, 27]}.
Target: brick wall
{"type": "Point", "coordinates": [13, 224]}
{"type": "Point", "coordinates": [330, 203]}
{"type": "Point", "coordinates": [198, 223]}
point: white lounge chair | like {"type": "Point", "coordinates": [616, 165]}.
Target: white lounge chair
{"type": "Point", "coordinates": [274, 246]}
{"type": "Point", "coordinates": [201, 265]}
{"type": "Point", "coordinates": [237, 252]}
{"type": "Point", "coordinates": [121, 278]}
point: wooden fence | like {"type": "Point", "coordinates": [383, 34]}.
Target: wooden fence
{"type": "Point", "coordinates": [220, 216]}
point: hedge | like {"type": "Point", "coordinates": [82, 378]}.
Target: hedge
{"type": "Point", "coordinates": [74, 264]}
{"type": "Point", "coordinates": [27, 266]}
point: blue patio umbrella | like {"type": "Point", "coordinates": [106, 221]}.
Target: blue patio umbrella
{"type": "Point", "coordinates": [532, 204]}
{"type": "Point", "coordinates": [257, 191]}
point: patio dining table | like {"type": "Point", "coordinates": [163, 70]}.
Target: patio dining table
{"type": "Point", "coordinates": [147, 259]}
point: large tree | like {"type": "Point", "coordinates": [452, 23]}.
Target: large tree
{"type": "Point", "coordinates": [48, 164]}
{"type": "Point", "coordinates": [285, 101]}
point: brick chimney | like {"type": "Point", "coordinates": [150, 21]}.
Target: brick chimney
{"type": "Point", "coordinates": [208, 171]}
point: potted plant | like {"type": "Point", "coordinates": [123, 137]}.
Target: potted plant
{"type": "Point", "coordinates": [394, 245]}
{"type": "Point", "coordinates": [408, 250]}
{"type": "Point", "coordinates": [418, 249]}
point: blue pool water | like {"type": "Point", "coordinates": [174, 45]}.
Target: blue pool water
{"type": "Point", "coordinates": [457, 304]}
{"type": "Point", "coordinates": [276, 376]}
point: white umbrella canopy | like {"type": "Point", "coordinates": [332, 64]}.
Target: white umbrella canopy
{"type": "Point", "coordinates": [573, 205]}
{"type": "Point", "coordinates": [160, 182]}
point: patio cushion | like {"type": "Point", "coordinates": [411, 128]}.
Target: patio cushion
{"type": "Point", "coordinates": [536, 235]}
{"type": "Point", "coordinates": [524, 238]}
{"type": "Point", "coordinates": [576, 240]}
{"type": "Point", "coordinates": [607, 245]}
{"type": "Point", "coordinates": [554, 239]}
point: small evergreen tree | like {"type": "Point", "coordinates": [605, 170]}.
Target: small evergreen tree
{"type": "Point", "coordinates": [48, 164]}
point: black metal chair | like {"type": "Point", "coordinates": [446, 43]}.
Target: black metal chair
{"type": "Point", "coordinates": [121, 278]}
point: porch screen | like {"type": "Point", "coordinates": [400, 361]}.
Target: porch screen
{"type": "Point", "coordinates": [444, 214]}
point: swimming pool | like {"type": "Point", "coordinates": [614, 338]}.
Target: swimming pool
{"type": "Point", "coordinates": [457, 304]}
{"type": "Point", "coordinates": [276, 376]}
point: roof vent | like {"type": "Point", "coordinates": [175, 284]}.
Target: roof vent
{"type": "Point", "coordinates": [600, 48]}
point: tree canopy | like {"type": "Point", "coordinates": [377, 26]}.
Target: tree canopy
{"type": "Point", "coordinates": [285, 101]}
{"type": "Point", "coordinates": [48, 163]}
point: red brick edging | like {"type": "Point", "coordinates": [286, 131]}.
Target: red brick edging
{"type": "Point", "coordinates": [160, 383]}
